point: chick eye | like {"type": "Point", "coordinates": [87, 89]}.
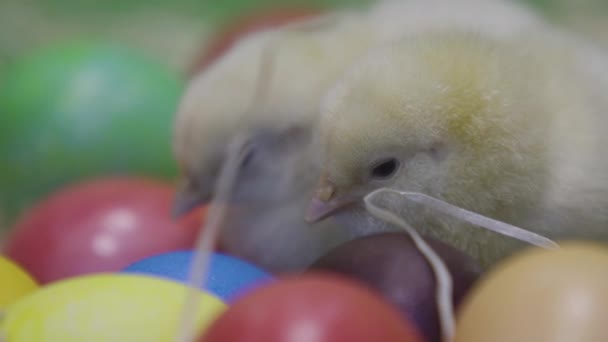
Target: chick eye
{"type": "Point", "coordinates": [385, 168]}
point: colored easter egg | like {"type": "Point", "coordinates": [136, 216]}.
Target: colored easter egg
{"type": "Point", "coordinates": [14, 282]}
{"type": "Point", "coordinates": [319, 308]}
{"type": "Point", "coordinates": [228, 278]}
{"type": "Point", "coordinates": [541, 295]}
{"type": "Point", "coordinates": [103, 308]}
{"type": "Point", "coordinates": [72, 111]}
{"type": "Point", "coordinates": [97, 226]}
{"type": "Point", "coordinates": [391, 264]}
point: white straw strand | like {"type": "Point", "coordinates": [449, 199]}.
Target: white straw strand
{"type": "Point", "coordinates": [474, 218]}
{"type": "Point", "coordinates": [207, 239]}
{"type": "Point", "coordinates": [443, 290]}
{"type": "Point", "coordinates": [443, 277]}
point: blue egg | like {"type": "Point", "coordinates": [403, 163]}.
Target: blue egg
{"type": "Point", "coordinates": [228, 276]}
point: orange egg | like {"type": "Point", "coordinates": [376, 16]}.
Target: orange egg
{"type": "Point", "coordinates": [541, 296]}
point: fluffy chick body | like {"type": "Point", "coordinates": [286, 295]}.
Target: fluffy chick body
{"type": "Point", "coordinates": [496, 18]}
{"type": "Point", "coordinates": [510, 128]}
{"type": "Point", "coordinates": [267, 226]}
{"type": "Point", "coordinates": [305, 64]}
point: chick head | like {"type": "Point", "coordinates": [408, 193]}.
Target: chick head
{"type": "Point", "coordinates": [269, 156]}
{"type": "Point", "coordinates": [199, 146]}
{"type": "Point", "coordinates": [218, 106]}
{"type": "Point", "coordinates": [456, 116]}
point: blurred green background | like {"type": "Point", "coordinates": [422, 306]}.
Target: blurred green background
{"type": "Point", "coordinates": [175, 31]}
{"type": "Point", "coordinates": [172, 34]}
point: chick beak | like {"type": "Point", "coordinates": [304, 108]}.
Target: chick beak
{"type": "Point", "coordinates": [188, 197]}
{"type": "Point", "coordinates": [325, 203]}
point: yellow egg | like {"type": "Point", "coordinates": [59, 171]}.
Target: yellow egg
{"type": "Point", "coordinates": [541, 295]}
{"type": "Point", "coordinates": [104, 308]}
{"type": "Point", "coordinates": [14, 282]}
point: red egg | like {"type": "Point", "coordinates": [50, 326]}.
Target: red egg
{"type": "Point", "coordinates": [311, 308]}
{"type": "Point", "coordinates": [97, 226]}
{"type": "Point", "coordinates": [253, 22]}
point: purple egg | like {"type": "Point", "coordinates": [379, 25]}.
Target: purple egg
{"type": "Point", "coordinates": [391, 264]}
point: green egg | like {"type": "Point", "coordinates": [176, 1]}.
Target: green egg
{"type": "Point", "coordinates": [80, 110]}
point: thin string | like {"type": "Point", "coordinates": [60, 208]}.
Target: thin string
{"type": "Point", "coordinates": [442, 275]}
{"type": "Point", "coordinates": [208, 236]}
{"type": "Point", "coordinates": [474, 218]}
{"type": "Point", "coordinates": [199, 269]}
{"type": "Point", "coordinates": [443, 290]}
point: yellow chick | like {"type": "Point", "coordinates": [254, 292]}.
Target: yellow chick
{"type": "Point", "coordinates": [218, 102]}
{"type": "Point", "coordinates": [305, 63]}
{"type": "Point", "coordinates": [512, 129]}
{"type": "Point", "coordinates": [500, 19]}
{"type": "Point", "coordinates": [265, 224]}
{"type": "Point", "coordinates": [273, 189]}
